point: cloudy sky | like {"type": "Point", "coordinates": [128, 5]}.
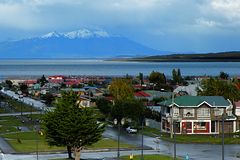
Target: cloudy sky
{"type": "Point", "coordinates": [167, 25]}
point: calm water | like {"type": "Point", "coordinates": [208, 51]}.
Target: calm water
{"type": "Point", "coordinates": [10, 68]}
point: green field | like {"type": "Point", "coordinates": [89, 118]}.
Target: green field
{"type": "Point", "coordinates": [30, 141]}
{"type": "Point", "coordinates": [207, 139]}
{"type": "Point", "coordinates": [138, 157]}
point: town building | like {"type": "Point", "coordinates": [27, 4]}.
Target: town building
{"type": "Point", "coordinates": [197, 115]}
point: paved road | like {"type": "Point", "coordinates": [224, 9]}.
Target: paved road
{"type": "Point", "coordinates": [84, 155]}
{"type": "Point", "coordinates": [35, 103]}
{"type": "Point", "coordinates": [195, 151]}
{"type": "Point", "coordinates": [5, 147]}
{"type": "Point", "coordinates": [18, 113]}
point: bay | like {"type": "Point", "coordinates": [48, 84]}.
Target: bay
{"type": "Point", "coordinates": [37, 67]}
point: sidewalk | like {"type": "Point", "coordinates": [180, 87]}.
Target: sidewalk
{"type": "Point", "coordinates": [5, 147]}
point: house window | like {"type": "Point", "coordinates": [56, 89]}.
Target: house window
{"type": "Point", "coordinates": [229, 113]}
{"type": "Point", "coordinates": [200, 126]}
{"type": "Point", "coordinates": [175, 112]}
{"type": "Point", "coordinates": [203, 112]}
{"type": "Point", "coordinates": [188, 112]}
{"type": "Point", "coordinates": [218, 112]}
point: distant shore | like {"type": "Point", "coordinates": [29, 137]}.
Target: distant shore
{"type": "Point", "coordinates": [233, 56]}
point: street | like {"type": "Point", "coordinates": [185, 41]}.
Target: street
{"type": "Point", "coordinates": [195, 151]}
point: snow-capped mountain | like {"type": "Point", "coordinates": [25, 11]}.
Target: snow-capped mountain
{"type": "Point", "coordinates": [82, 43]}
{"type": "Point", "coordinates": [51, 34]}
{"type": "Point", "coordinates": [83, 33]}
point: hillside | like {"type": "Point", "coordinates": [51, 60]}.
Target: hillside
{"type": "Point", "coordinates": [75, 44]}
{"type": "Point", "coordinates": [233, 56]}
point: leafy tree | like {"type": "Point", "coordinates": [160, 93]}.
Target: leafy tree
{"type": "Point", "coordinates": [24, 88]}
{"type": "Point", "coordinates": [223, 75]}
{"type": "Point", "coordinates": [177, 77]}
{"type": "Point", "coordinates": [157, 100]}
{"type": "Point", "coordinates": [49, 98]}
{"type": "Point", "coordinates": [157, 78]}
{"type": "Point", "coordinates": [9, 83]}
{"type": "Point", "coordinates": [174, 76]}
{"type": "Point", "coordinates": [216, 87]}
{"type": "Point", "coordinates": [104, 105]}
{"type": "Point", "coordinates": [121, 89]}
{"type": "Point", "coordinates": [141, 78]}
{"type": "Point", "coordinates": [131, 108]}
{"type": "Point", "coordinates": [180, 79]}
{"type": "Point", "coordinates": [71, 126]}
{"type": "Point", "coordinates": [42, 80]}
{"type": "Point", "coordinates": [151, 114]}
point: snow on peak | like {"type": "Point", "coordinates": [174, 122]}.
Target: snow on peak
{"type": "Point", "coordinates": [85, 33]}
{"type": "Point", "coordinates": [82, 33]}
{"type": "Point", "coordinates": [51, 34]}
{"type": "Point", "coordinates": [101, 33]}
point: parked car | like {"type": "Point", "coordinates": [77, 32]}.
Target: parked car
{"type": "Point", "coordinates": [131, 130]}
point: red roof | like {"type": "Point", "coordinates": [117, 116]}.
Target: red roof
{"type": "Point", "coordinates": [57, 77]}
{"type": "Point", "coordinates": [30, 81]}
{"type": "Point", "coordinates": [71, 82]}
{"type": "Point", "coordinates": [55, 80]}
{"type": "Point", "coordinates": [141, 94]}
{"type": "Point", "coordinates": [137, 86]}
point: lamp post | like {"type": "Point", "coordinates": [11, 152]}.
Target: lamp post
{"type": "Point", "coordinates": [142, 140]}
{"type": "Point", "coordinates": [119, 123]}
{"type": "Point", "coordinates": [38, 132]}
{"type": "Point", "coordinates": [172, 120]}
{"type": "Point", "coordinates": [223, 118]}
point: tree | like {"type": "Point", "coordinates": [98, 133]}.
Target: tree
{"type": "Point", "coordinates": [130, 108]}
{"type": "Point", "coordinates": [9, 83]}
{"type": "Point", "coordinates": [223, 75]}
{"type": "Point", "coordinates": [216, 87]}
{"type": "Point", "coordinates": [49, 98]}
{"type": "Point", "coordinates": [24, 88]}
{"type": "Point", "coordinates": [177, 77]}
{"type": "Point", "coordinates": [157, 78]}
{"type": "Point", "coordinates": [42, 80]}
{"type": "Point", "coordinates": [71, 126]}
{"type": "Point", "coordinates": [141, 78]}
{"type": "Point", "coordinates": [174, 76]}
{"type": "Point", "coordinates": [104, 105]}
{"type": "Point", "coordinates": [121, 89]}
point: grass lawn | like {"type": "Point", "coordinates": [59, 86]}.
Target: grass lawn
{"type": "Point", "coordinates": [29, 141]}
{"type": "Point", "coordinates": [209, 139]}
{"type": "Point", "coordinates": [32, 145]}
{"type": "Point", "coordinates": [138, 157]}
{"type": "Point", "coordinates": [149, 157]}
{"type": "Point", "coordinates": [109, 143]}
{"type": "Point", "coordinates": [10, 121]}
{"type": "Point", "coordinates": [3, 110]}
{"type": "Point", "coordinates": [6, 129]}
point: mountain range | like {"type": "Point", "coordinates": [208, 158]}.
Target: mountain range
{"type": "Point", "coordinates": [83, 43]}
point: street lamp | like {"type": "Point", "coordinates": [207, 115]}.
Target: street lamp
{"type": "Point", "coordinates": [118, 122]}
{"type": "Point", "coordinates": [38, 132]}
{"type": "Point", "coordinates": [142, 140]}
{"type": "Point", "coordinates": [223, 116]}
{"type": "Point", "coordinates": [172, 120]}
